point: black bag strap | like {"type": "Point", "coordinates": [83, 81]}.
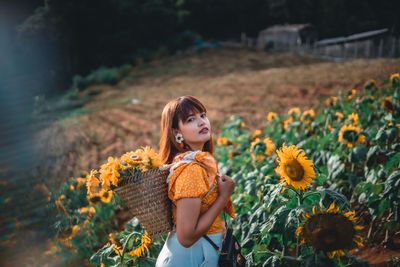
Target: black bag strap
{"type": "Point", "coordinates": [214, 245]}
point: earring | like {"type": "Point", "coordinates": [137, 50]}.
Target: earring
{"type": "Point", "coordinates": [179, 138]}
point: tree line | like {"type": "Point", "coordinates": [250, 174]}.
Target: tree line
{"type": "Point", "coordinates": [82, 35]}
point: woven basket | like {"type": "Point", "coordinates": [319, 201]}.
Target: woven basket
{"type": "Point", "coordinates": [146, 197]}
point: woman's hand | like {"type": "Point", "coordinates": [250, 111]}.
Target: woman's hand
{"type": "Point", "coordinates": [226, 186]}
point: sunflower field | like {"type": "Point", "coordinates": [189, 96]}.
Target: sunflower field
{"type": "Point", "coordinates": [310, 186]}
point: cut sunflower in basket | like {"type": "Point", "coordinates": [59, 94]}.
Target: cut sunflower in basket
{"type": "Point", "coordinates": [100, 182]}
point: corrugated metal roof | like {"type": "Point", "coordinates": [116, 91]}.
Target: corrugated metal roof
{"type": "Point", "coordinates": [352, 38]}
{"type": "Point", "coordinates": [362, 35]}
{"type": "Point", "coordinates": [286, 27]}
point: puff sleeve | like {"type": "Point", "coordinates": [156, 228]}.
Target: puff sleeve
{"type": "Point", "coordinates": [191, 183]}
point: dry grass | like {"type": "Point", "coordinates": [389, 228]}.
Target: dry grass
{"type": "Point", "coordinates": [227, 81]}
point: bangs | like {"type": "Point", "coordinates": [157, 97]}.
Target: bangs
{"type": "Point", "coordinates": [186, 107]}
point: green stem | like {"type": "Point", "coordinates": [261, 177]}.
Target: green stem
{"type": "Point", "coordinates": [126, 243]}
{"type": "Point", "coordinates": [300, 202]}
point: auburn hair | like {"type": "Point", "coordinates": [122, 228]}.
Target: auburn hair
{"type": "Point", "coordinates": [174, 111]}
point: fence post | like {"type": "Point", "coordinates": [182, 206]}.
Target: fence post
{"type": "Point", "coordinates": [355, 49]}
{"type": "Point", "coordinates": [380, 49]}
{"type": "Point", "coordinates": [392, 52]}
{"type": "Point", "coordinates": [368, 48]}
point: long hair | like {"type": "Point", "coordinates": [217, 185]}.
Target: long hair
{"type": "Point", "coordinates": [175, 111]}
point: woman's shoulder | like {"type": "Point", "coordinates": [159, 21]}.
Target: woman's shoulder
{"type": "Point", "coordinates": [197, 155]}
{"type": "Point", "coordinates": [187, 163]}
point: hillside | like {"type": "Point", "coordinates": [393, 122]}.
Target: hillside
{"type": "Point", "coordinates": [228, 81]}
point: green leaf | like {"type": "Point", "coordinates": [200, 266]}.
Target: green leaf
{"type": "Point", "coordinates": [357, 154]}
{"type": "Point", "coordinates": [392, 186]}
{"type": "Point", "coordinates": [288, 261]}
{"type": "Point", "coordinates": [335, 167]}
{"type": "Point", "coordinates": [372, 176]}
{"type": "Point", "coordinates": [292, 203]}
{"type": "Point", "coordinates": [273, 196]}
{"type": "Point", "coordinates": [381, 136]}
{"type": "Point", "coordinates": [392, 133]}
{"type": "Point", "coordinates": [273, 261]}
{"type": "Point", "coordinates": [384, 205]}
{"type": "Point", "coordinates": [328, 196]}
{"type": "Point", "coordinates": [311, 200]}
{"type": "Point", "coordinates": [395, 160]}
{"type": "Point", "coordinates": [103, 255]}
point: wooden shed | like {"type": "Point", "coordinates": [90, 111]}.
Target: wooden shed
{"type": "Point", "coordinates": [287, 36]}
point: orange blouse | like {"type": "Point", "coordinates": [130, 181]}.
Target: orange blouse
{"type": "Point", "coordinates": [188, 179]}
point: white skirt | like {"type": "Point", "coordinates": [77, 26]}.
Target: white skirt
{"type": "Point", "coordinates": [201, 253]}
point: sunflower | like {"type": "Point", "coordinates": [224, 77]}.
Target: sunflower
{"type": "Point", "coordinates": [350, 135]}
{"type": "Point", "coordinates": [331, 101]}
{"type": "Point", "coordinates": [90, 212]}
{"type": "Point", "coordinates": [395, 79]}
{"type": "Point", "coordinates": [353, 118]}
{"type": "Point", "coordinates": [151, 158]}
{"type": "Point", "coordinates": [93, 199]}
{"type": "Point", "coordinates": [366, 99]}
{"type": "Point", "coordinates": [69, 233]}
{"type": "Point", "coordinates": [255, 135]}
{"type": "Point", "coordinates": [294, 167]}
{"type": "Point", "coordinates": [92, 183]}
{"type": "Point", "coordinates": [242, 125]}
{"type": "Point", "coordinates": [114, 240]}
{"type": "Point", "coordinates": [109, 173]}
{"type": "Point", "coordinates": [270, 146]}
{"type": "Point", "coordinates": [271, 116]}
{"type": "Point", "coordinates": [60, 205]}
{"type": "Point", "coordinates": [106, 196]}
{"type": "Point", "coordinates": [222, 141]}
{"type": "Point", "coordinates": [83, 210]}
{"type": "Point", "coordinates": [388, 105]}
{"type": "Point", "coordinates": [257, 148]}
{"type": "Point", "coordinates": [330, 231]}
{"type": "Point", "coordinates": [287, 122]}
{"type": "Point", "coordinates": [307, 115]}
{"type": "Point", "coordinates": [81, 181]}
{"type": "Point", "coordinates": [330, 128]}
{"type": "Point", "coordinates": [144, 246]}
{"type": "Point", "coordinates": [351, 94]}
{"type": "Point", "coordinates": [397, 125]}
{"type": "Point", "coordinates": [232, 154]}
{"type": "Point", "coordinates": [339, 115]}
{"type": "Point", "coordinates": [370, 84]}
{"type": "Point", "coordinates": [131, 158]}
{"type": "Point", "coordinates": [144, 159]}
{"type": "Point", "coordinates": [295, 111]}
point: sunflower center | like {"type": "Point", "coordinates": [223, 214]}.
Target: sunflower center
{"type": "Point", "coordinates": [329, 232]}
{"type": "Point", "coordinates": [350, 135]}
{"type": "Point", "coordinates": [388, 105]}
{"type": "Point", "coordinates": [294, 170]}
{"type": "Point", "coordinates": [329, 238]}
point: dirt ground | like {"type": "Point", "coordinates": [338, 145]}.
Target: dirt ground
{"type": "Point", "coordinates": [228, 81]}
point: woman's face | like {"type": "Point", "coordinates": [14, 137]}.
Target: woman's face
{"type": "Point", "coordinates": [196, 130]}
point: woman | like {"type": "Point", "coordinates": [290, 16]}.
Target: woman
{"type": "Point", "coordinates": [197, 193]}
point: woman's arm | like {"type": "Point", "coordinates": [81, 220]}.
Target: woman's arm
{"type": "Point", "coordinates": [191, 226]}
